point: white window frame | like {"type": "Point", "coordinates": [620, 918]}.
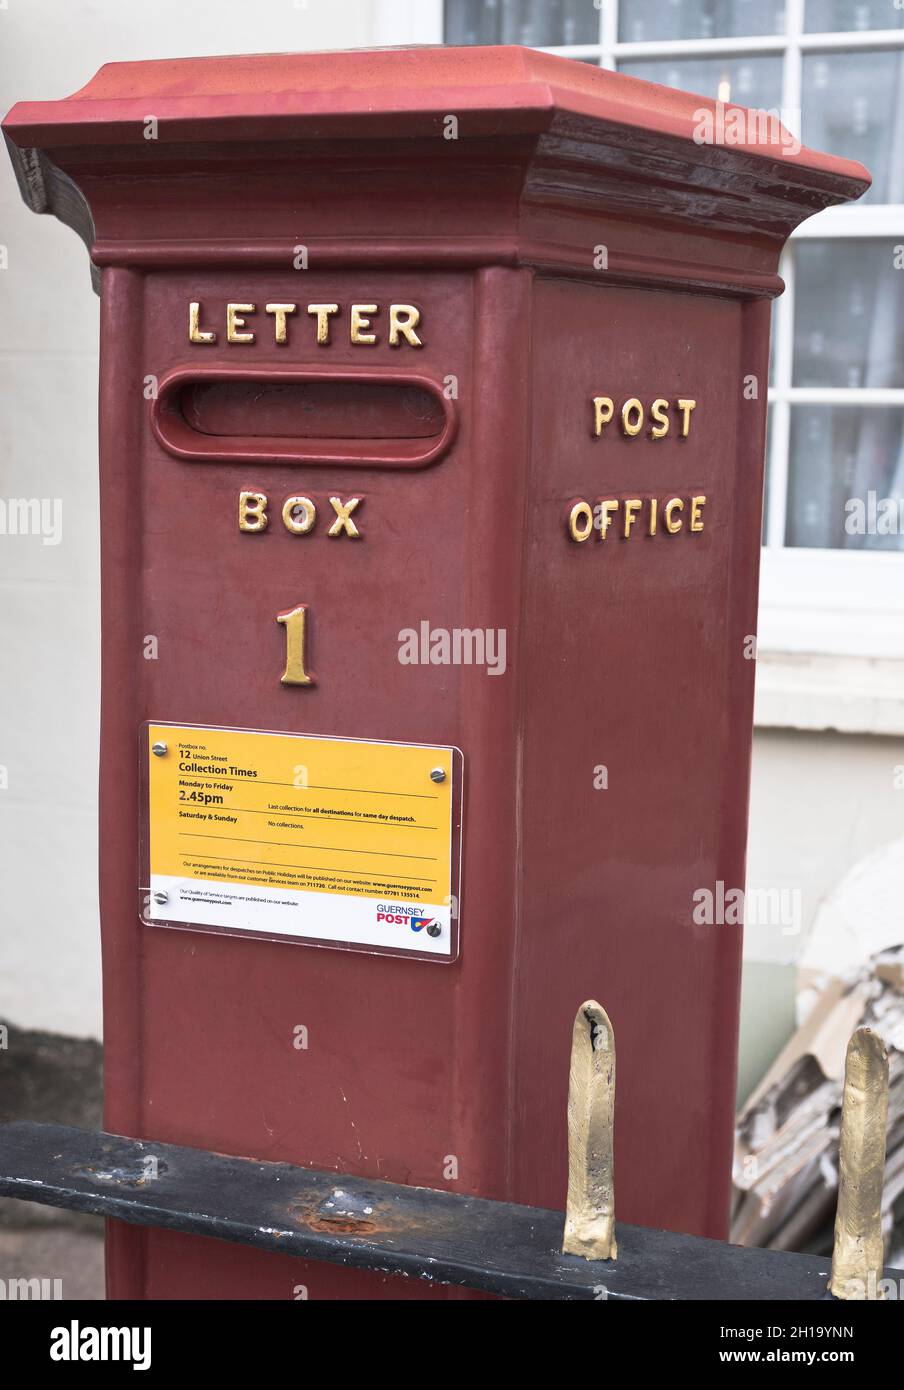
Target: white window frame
{"type": "Point", "coordinates": [831, 624]}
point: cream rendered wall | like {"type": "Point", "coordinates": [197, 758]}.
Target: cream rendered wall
{"type": "Point", "coordinates": [820, 804]}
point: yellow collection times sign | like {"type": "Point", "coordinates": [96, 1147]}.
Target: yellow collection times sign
{"type": "Point", "coordinates": [323, 839]}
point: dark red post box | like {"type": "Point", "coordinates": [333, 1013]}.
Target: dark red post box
{"type": "Point", "coordinates": [432, 421]}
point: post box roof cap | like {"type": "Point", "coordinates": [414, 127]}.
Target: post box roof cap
{"type": "Point", "coordinates": [537, 145]}
{"type": "Point", "coordinates": [373, 93]}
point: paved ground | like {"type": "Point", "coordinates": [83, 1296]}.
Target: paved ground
{"type": "Point", "coordinates": [45, 1077]}
{"type": "Point", "coordinates": [75, 1257]}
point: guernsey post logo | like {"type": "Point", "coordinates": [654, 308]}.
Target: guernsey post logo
{"type": "Point", "coordinates": [398, 914]}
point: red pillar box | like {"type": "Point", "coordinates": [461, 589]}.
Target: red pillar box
{"type": "Point", "coordinates": [432, 419]}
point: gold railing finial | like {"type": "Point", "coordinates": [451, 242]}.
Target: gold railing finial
{"type": "Point", "coordinates": [590, 1211]}
{"type": "Point", "coordinates": [858, 1253]}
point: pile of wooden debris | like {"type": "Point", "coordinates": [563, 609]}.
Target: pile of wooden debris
{"type": "Point", "coordinates": [786, 1148]}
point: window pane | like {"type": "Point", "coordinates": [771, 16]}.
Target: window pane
{"type": "Point", "coordinates": [846, 478]}
{"type": "Point", "coordinates": [848, 314]}
{"type": "Point", "coordinates": [537, 23]}
{"type": "Point", "coordinates": [645, 20]}
{"type": "Point", "coordinates": [853, 105]}
{"type": "Point", "coordinates": [747, 81]}
{"type": "Point", "coordinates": [827, 16]}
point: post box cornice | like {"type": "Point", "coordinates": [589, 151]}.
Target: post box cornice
{"type": "Point", "coordinates": [482, 155]}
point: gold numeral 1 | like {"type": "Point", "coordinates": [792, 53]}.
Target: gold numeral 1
{"type": "Point", "coordinates": [294, 623]}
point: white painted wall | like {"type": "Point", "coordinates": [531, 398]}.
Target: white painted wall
{"type": "Point", "coordinates": [820, 802]}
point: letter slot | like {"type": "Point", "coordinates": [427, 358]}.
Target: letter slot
{"type": "Point", "coordinates": [374, 419]}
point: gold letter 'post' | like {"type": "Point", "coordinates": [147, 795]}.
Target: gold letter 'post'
{"type": "Point", "coordinates": [590, 1212]}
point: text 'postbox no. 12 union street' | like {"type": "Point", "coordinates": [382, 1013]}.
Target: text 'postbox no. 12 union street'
{"type": "Point", "coordinates": [432, 427]}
